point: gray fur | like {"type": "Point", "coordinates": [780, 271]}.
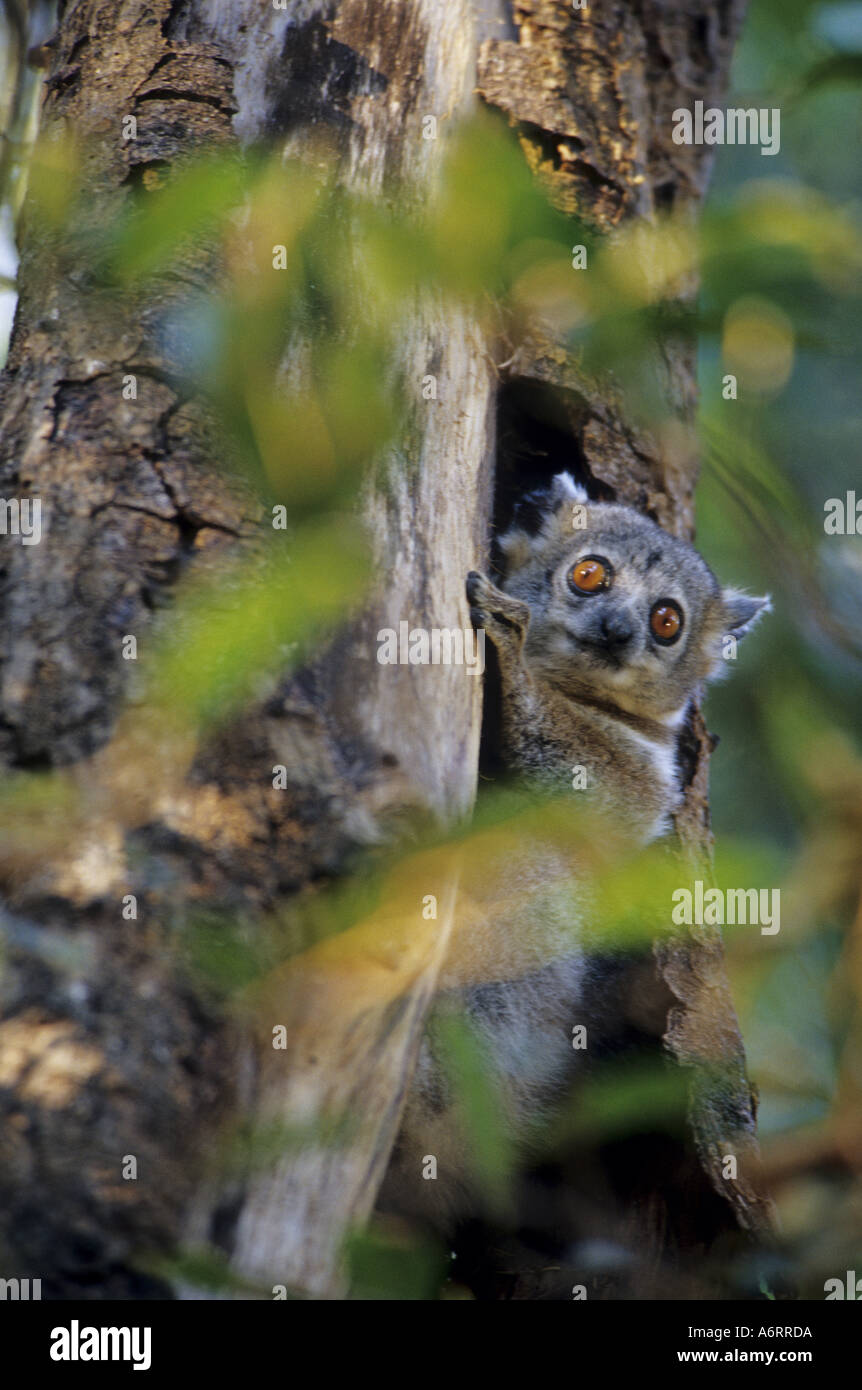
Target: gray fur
{"type": "Point", "coordinates": [572, 696]}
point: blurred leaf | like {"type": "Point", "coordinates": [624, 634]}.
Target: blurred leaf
{"type": "Point", "coordinates": [479, 1108]}
{"type": "Point", "coordinates": [188, 207]}
{"type": "Point", "coordinates": [625, 1097]}
{"type": "Point", "coordinates": [205, 1269]}
{"type": "Point", "coordinates": [839, 67]}
{"type": "Point", "coordinates": [386, 1264]}
{"type": "Point", "coordinates": [227, 634]}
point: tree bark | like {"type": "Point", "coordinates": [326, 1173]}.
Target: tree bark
{"type": "Point", "coordinates": [106, 1049]}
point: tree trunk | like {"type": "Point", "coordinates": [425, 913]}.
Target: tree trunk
{"type": "Point", "coordinates": [106, 1050]}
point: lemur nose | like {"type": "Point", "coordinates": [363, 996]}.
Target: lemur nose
{"type": "Point", "coordinates": [616, 629]}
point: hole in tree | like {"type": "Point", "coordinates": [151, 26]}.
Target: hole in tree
{"type": "Point", "coordinates": [539, 431]}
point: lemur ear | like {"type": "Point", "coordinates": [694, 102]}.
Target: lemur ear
{"type": "Point", "coordinates": [741, 611]}
{"type": "Point", "coordinates": [537, 516]}
{"type": "Point", "coordinates": [534, 508]}
{"type": "Point", "coordinates": [565, 489]}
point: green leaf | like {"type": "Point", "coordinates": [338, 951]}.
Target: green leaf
{"type": "Point", "coordinates": [229, 634]}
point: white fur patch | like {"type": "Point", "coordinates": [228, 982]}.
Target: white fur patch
{"type": "Point", "coordinates": [564, 488]}
{"type": "Point", "coordinates": [664, 766]}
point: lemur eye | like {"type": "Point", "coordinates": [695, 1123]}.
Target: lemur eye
{"type": "Point", "coordinates": [665, 621]}
{"type": "Point", "coordinates": [591, 574]}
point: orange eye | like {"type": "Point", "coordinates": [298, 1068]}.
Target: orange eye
{"type": "Point", "coordinates": [665, 621]}
{"type": "Point", "coordinates": [590, 575]}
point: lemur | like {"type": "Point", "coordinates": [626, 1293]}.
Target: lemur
{"type": "Point", "coordinates": [606, 628]}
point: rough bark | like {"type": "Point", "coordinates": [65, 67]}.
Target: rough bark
{"type": "Point", "coordinates": [106, 1049]}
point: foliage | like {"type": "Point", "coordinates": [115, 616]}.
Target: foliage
{"type": "Point", "coordinates": [779, 253]}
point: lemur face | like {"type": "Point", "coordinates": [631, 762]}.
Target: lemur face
{"type": "Point", "coordinates": [619, 608]}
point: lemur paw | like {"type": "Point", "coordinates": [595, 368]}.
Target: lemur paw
{"type": "Point", "coordinates": [504, 619]}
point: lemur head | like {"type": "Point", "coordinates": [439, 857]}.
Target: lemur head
{"type": "Point", "coordinates": [620, 610]}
